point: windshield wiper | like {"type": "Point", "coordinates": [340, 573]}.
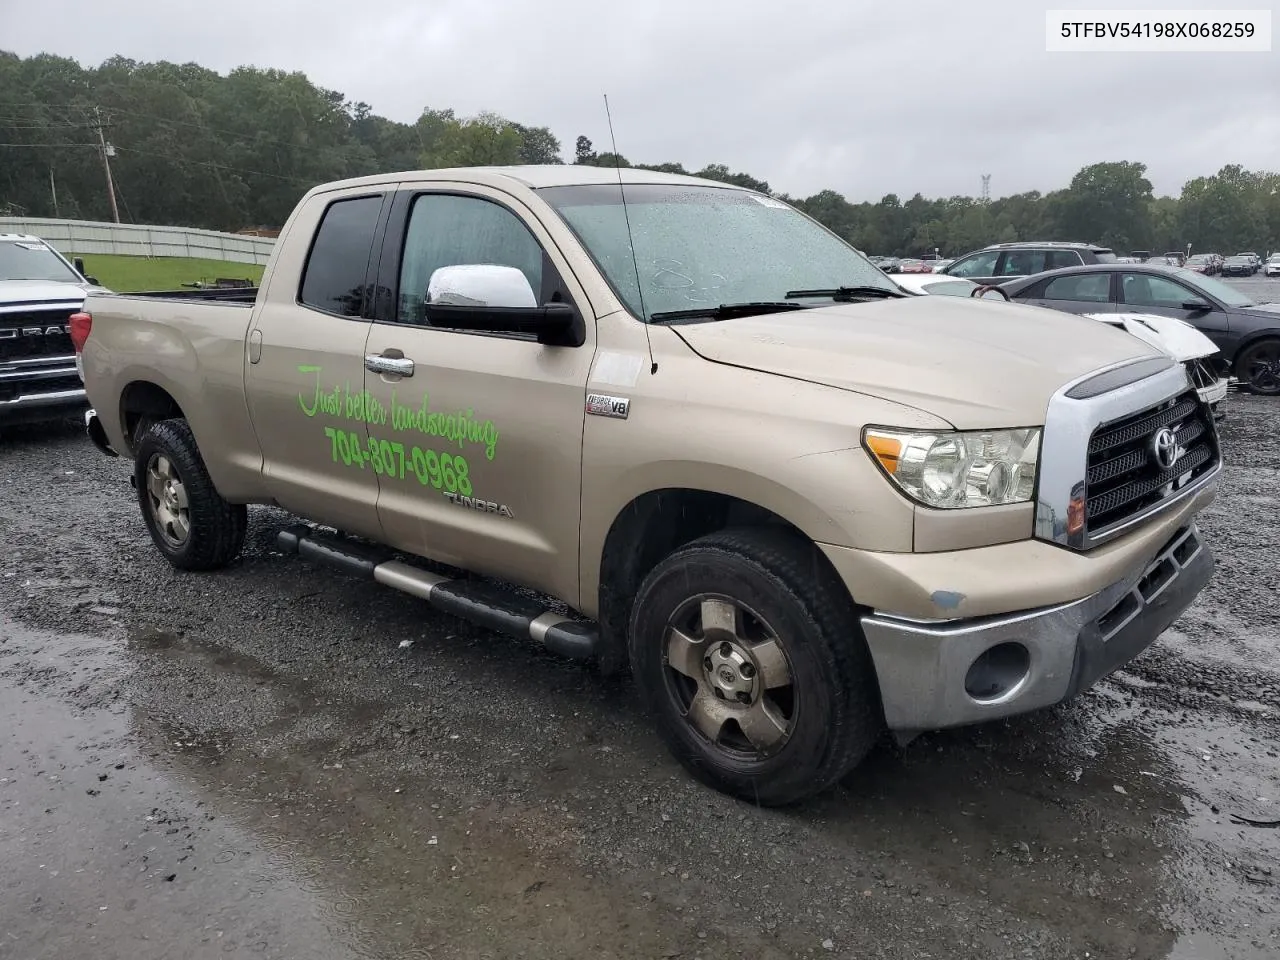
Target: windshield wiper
{"type": "Point", "coordinates": [846, 294]}
{"type": "Point", "coordinates": [725, 311]}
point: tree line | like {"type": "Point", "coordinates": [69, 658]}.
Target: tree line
{"type": "Point", "coordinates": [191, 147]}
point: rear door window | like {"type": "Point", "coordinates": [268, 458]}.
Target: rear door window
{"type": "Point", "coordinates": [1057, 259]}
{"type": "Point", "coordinates": [1022, 263]}
{"type": "Point", "coordinates": [1087, 287]}
{"type": "Point", "coordinates": [333, 279]}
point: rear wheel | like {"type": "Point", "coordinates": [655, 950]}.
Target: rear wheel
{"type": "Point", "coordinates": [747, 651]}
{"type": "Point", "coordinates": [189, 521]}
{"type": "Point", "coordinates": [1258, 367]}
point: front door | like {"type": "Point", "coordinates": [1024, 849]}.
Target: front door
{"type": "Point", "coordinates": [1167, 297]}
{"type": "Point", "coordinates": [483, 432]}
{"type": "Point", "coordinates": [305, 367]}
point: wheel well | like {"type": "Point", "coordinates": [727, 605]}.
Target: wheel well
{"type": "Point", "coordinates": [143, 403]}
{"type": "Point", "coordinates": [1255, 339]}
{"type": "Point", "coordinates": [648, 529]}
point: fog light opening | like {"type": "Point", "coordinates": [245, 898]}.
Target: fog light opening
{"type": "Point", "coordinates": [997, 671]}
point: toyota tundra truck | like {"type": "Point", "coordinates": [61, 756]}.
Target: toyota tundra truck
{"type": "Point", "coordinates": [676, 427]}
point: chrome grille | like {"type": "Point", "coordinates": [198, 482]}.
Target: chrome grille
{"type": "Point", "coordinates": [35, 334]}
{"type": "Point", "coordinates": [1124, 477]}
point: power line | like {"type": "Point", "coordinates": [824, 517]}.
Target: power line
{"type": "Point", "coordinates": [198, 125]}
{"type": "Point", "coordinates": [214, 165]}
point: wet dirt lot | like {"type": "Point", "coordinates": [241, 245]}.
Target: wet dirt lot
{"type": "Point", "coordinates": [249, 764]}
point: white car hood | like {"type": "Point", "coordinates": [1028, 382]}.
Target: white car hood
{"type": "Point", "coordinates": [42, 291]}
{"type": "Point", "coordinates": [1175, 337]}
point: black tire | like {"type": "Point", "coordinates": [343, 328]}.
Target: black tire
{"type": "Point", "coordinates": [835, 716]}
{"type": "Point", "coordinates": [1257, 367]}
{"type": "Point", "coordinates": [215, 529]}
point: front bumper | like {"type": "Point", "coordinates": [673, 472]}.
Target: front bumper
{"type": "Point", "coordinates": [936, 674]}
{"type": "Point", "coordinates": [1215, 392]}
{"type": "Point", "coordinates": [34, 406]}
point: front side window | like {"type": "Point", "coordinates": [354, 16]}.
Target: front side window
{"type": "Point", "coordinates": [1089, 287]}
{"type": "Point", "coordinates": [1212, 287]}
{"type": "Point", "coordinates": [447, 230]}
{"type": "Point", "coordinates": [334, 278]}
{"type": "Point", "coordinates": [1145, 290]}
{"type": "Point", "coordinates": [703, 246]}
{"type": "Point", "coordinates": [979, 265]}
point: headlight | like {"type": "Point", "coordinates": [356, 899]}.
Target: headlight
{"type": "Point", "coordinates": [950, 469]}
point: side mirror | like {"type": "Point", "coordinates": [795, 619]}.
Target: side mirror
{"type": "Point", "coordinates": [1200, 306]}
{"type": "Point", "coordinates": [93, 281]}
{"type": "Point", "coordinates": [490, 298]}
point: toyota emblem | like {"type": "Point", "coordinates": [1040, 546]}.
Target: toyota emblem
{"type": "Point", "coordinates": [1164, 447]}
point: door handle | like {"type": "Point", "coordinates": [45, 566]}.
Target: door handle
{"type": "Point", "coordinates": [396, 366]}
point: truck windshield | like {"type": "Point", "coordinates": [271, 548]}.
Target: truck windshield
{"type": "Point", "coordinates": [703, 246]}
{"type": "Point", "coordinates": [32, 260]}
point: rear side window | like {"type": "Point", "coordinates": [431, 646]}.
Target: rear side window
{"type": "Point", "coordinates": [1057, 259]}
{"type": "Point", "coordinates": [1022, 263]}
{"type": "Point", "coordinates": [1088, 287]}
{"type": "Point", "coordinates": [1104, 256]}
{"type": "Point", "coordinates": [334, 278]}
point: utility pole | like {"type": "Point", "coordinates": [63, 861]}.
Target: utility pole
{"type": "Point", "coordinates": [108, 151]}
{"type": "Point", "coordinates": [53, 189]}
{"type": "Point", "coordinates": [986, 187]}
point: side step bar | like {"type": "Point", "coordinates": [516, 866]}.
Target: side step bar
{"type": "Point", "coordinates": [481, 603]}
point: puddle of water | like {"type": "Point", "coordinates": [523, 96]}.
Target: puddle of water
{"type": "Point", "coordinates": [104, 850]}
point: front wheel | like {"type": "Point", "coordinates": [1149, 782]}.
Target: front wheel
{"type": "Point", "coordinates": [1258, 367]}
{"type": "Point", "coordinates": [189, 521]}
{"type": "Point", "coordinates": [746, 649]}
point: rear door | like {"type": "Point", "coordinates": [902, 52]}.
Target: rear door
{"type": "Point", "coordinates": [305, 365]}
{"type": "Point", "coordinates": [1015, 264]}
{"type": "Point", "coordinates": [483, 431]}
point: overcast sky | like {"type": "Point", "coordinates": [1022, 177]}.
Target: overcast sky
{"type": "Point", "coordinates": [865, 98]}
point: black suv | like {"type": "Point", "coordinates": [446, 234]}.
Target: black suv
{"type": "Point", "coordinates": [1002, 262]}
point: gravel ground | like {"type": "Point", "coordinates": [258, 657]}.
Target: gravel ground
{"type": "Point", "coordinates": [250, 763]}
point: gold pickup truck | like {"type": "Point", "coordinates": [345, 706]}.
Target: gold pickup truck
{"type": "Point", "coordinates": [715, 443]}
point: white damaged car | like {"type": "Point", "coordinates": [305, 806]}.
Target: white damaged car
{"type": "Point", "coordinates": [1175, 337]}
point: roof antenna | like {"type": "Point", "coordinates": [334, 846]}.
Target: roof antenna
{"type": "Point", "coordinates": [617, 163]}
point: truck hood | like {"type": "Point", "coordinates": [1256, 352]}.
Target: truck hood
{"type": "Point", "coordinates": [976, 363]}
{"type": "Point", "coordinates": [1175, 337]}
{"type": "Point", "coordinates": [14, 292]}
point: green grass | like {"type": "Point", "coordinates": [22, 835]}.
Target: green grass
{"type": "Point", "coordinates": [131, 274]}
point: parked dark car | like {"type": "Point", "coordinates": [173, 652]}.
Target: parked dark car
{"type": "Point", "coordinates": [1247, 333]}
{"type": "Point", "coordinates": [1202, 263]}
{"type": "Point", "coordinates": [1002, 262]}
{"type": "Point", "coordinates": [1239, 266]}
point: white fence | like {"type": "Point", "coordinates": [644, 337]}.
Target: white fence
{"type": "Point", "coordinates": [73, 237]}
